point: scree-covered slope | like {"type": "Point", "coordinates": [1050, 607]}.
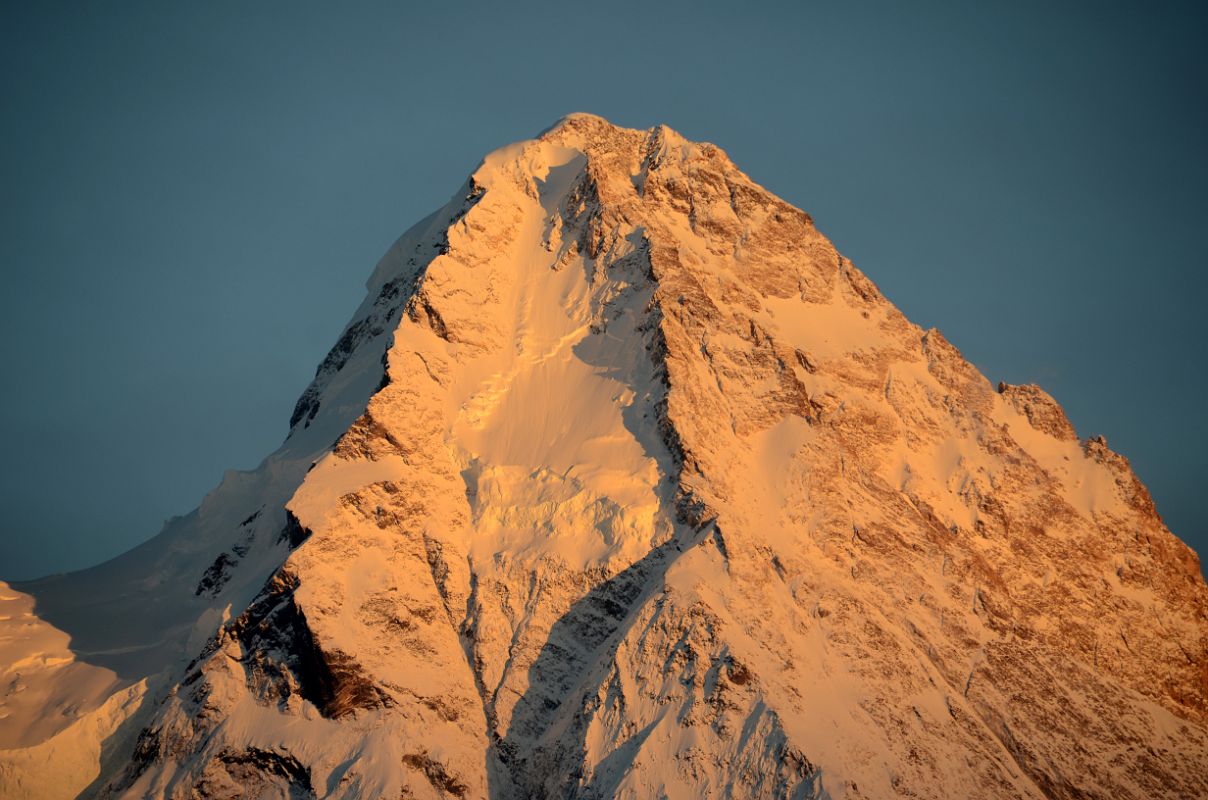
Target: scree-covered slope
{"type": "Point", "coordinates": [622, 482]}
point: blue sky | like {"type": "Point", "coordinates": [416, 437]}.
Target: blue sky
{"type": "Point", "coordinates": [194, 194]}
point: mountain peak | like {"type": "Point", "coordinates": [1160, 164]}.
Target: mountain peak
{"type": "Point", "coordinates": [622, 481]}
{"type": "Point", "coordinates": [595, 134]}
{"type": "Point", "coordinates": [582, 118]}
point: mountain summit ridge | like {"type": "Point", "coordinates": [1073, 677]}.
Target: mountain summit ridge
{"type": "Point", "coordinates": [622, 481]}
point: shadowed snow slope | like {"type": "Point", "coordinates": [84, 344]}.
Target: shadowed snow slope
{"type": "Point", "coordinates": [622, 482]}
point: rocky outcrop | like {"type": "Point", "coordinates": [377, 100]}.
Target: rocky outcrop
{"type": "Point", "coordinates": [1042, 411]}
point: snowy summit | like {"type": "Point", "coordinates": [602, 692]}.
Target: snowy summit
{"type": "Point", "coordinates": [622, 482]}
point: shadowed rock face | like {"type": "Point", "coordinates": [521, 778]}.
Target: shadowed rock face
{"type": "Point", "coordinates": [632, 486]}
{"type": "Point", "coordinates": [255, 772]}
{"type": "Point", "coordinates": [281, 657]}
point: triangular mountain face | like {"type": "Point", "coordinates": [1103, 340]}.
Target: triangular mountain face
{"type": "Point", "coordinates": [622, 482]}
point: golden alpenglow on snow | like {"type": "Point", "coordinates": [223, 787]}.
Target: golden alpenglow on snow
{"type": "Point", "coordinates": [622, 482]}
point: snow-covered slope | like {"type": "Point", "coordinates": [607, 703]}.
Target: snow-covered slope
{"type": "Point", "coordinates": [623, 482]}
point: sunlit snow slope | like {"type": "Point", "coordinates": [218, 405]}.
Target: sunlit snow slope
{"type": "Point", "coordinates": [622, 482]}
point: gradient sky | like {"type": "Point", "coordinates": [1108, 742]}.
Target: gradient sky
{"type": "Point", "coordinates": [194, 194]}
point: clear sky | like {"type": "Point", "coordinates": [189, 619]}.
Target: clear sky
{"type": "Point", "coordinates": [193, 195]}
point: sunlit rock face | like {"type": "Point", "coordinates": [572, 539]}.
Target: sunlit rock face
{"type": "Point", "coordinates": [622, 482]}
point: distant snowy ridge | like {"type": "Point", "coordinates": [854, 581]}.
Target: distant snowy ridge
{"type": "Point", "coordinates": [622, 482]}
